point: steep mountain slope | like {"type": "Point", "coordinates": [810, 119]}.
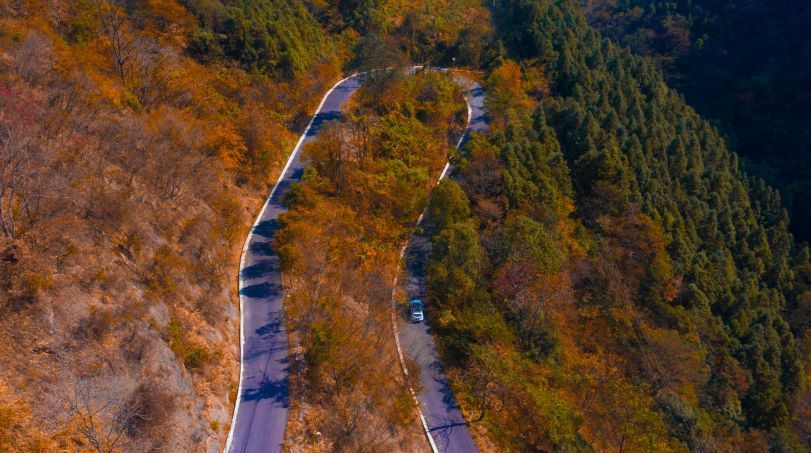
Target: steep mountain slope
{"type": "Point", "coordinates": [138, 139]}
{"type": "Point", "coordinates": [604, 275]}
{"type": "Point", "coordinates": [622, 283]}
{"type": "Point", "coordinates": [742, 64]}
{"type": "Point", "coordinates": [370, 173]}
{"type": "Point", "coordinates": [128, 174]}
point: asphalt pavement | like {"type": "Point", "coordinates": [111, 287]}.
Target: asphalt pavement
{"type": "Point", "coordinates": [260, 417]}
{"type": "Point", "coordinates": [445, 422]}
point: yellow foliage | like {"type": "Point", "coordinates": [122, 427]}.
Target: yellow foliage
{"type": "Point", "coordinates": [507, 100]}
{"type": "Point", "coordinates": [18, 432]}
{"type": "Point", "coordinates": [169, 19]}
{"type": "Point", "coordinates": [228, 145]}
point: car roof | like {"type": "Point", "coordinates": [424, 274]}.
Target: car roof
{"type": "Point", "coordinates": [416, 301]}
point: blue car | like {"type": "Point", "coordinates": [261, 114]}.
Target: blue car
{"type": "Point", "coordinates": [416, 310]}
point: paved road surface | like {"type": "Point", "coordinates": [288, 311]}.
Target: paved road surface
{"type": "Point", "coordinates": [260, 417]}
{"type": "Point", "coordinates": [445, 423]}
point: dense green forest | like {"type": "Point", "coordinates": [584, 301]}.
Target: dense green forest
{"type": "Point", "coordinates": [268, 35]}
{"type": "Point", "coordinates": [284, 39]}
{"type": "Point", "coordinates": [672, 251]}
{"type": "Point", "coordinates": [743, 65]}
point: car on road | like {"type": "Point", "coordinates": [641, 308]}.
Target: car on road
{"type": "Point", "coordinates": [416, 310]}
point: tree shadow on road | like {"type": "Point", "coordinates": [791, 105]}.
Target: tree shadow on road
{"type": "Point", "coordinates": [259, 269]}
{"type": "Point", "coordinates": [261, 291]}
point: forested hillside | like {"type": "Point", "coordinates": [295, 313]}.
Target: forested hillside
{"type": "Point", "coordinates": [743, 65]}
{"type": "Point", "coordinates": [138, 139]}
{"type": "Point", "coordinates": [129, 173]}
{"type": "Point", "coordinates": [620, 282]}
{"type": "Point", "coordinates": [605, 274]}
{"type": "Point", "coordinates": [370, 178]}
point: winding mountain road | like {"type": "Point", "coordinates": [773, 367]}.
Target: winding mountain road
{"type": "Point", "coordinates": [263, 398]}
{"type": "Point", "coordinates": [444, 421]}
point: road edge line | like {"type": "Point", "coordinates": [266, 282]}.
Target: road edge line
{"type": "Point", "coordinates": [396, 332]}
{"type": "Point", "coordinates": [245, 246]}
{"type": "Point", "coordinates": [394, 328]}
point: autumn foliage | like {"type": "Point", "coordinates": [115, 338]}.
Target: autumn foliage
{"type": "Point", "coordinates": [129, 172]}
{"type": "Point", "coordinates": [369, 177]}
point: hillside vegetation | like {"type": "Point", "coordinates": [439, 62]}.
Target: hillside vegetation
{"type": "Point", "coordinates": [741, 64]}
{"type": "Point", "coordinates": [129, 173]}
{"type": "Point", "coordinates": [369, 179]}
{"type": "Point", "coordinates": [605, 273]}
{"type": "Point", "coordinates": [138, 138]}
{"type": "Point", "coordinates": [612, 279]}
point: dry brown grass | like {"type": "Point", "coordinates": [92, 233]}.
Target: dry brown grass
{"type": "Point", "coordinates": [122, 209]}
